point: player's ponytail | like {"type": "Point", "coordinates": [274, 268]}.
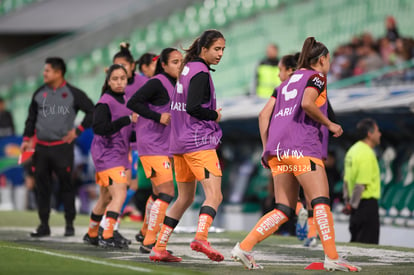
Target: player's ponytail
{"type": "Point", "coordinates": [312, 50]}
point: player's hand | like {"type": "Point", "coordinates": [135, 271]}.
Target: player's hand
{"type": "Point", "coordinates": [71, 135]}
{"type": "Point", "coordinates": [218, 115]}
{"type": "Point", "coordinates": [134, 117]}
{"type": "Point", "coordinates": [336, 129]}
{"type": "Point", "coordinates": [347, 209]}
{"type": "Point", "coordinates": [165, 118]}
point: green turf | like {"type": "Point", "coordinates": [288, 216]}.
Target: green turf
{"type": "Point", "coordinates": [20, 254]}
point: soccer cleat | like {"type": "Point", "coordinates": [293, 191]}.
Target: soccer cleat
{"type": "Point", "coordinates": [146, 249]}
{"type": "Point", "coordinates": [112, 243]}
{"type": "Point", "coordinates": [302, 224]}
{"type": "Point", "coordinates": [339, 264]}
{"type": "Point", "coordinates": [41, 231]}
{"type": "Point", "coordinates": [89, 240]}
{"type": "Point", "coordinates": [244, 257]}
{"type": "Point", "coordinates": [121, 238]}
{"type": "Point", "coordinates": [163, 256]}
{"type": "Point", "coordinates": [69, 231]}
{"type": "Point", "coordinates": [140, 237]}
{"type": "Point", "coordinates": [204, 247]}
{"type": "Point", "coordinates": [310, 242]}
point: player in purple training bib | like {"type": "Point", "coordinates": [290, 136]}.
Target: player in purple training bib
{"type": "Point", "coordinates": [294, 145]}
{"type": "Point", "coordinates": [195, 134]}
{"type": "Point", "coordinates": [152, 103]}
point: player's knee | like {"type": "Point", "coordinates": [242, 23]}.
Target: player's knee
{"type": "Point", "coordinates": [289, 212]}
{"type": "Point", "coordinates": [185, 201]}
{"type": "Point", "coordinates": [320, 200]}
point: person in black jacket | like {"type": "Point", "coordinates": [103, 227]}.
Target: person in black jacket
{"type": "Point", "coordinates": [51, 117]}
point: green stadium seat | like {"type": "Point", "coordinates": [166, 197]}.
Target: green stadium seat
{"type": "Point", "coordinates": [31, 85]}
{"type": "Point", "coordinates": [167, 36]}
{"type": "Point", "coordinates": [5, 91]}
{"type": "Point", "coordinates": [219, 18]}
{"type": "Point", "coordinates": [409, 199]}
{"type": "Point", "coordinates": [231, 12]}
{"type": "Point", "coordinates": [204, 18]}
{"type": "Point", "coordinates": [7, 6]}
{"type": "Point", "coordinates": [246, 8]}
{"type": "Point", "coordinates": [176, 21]}
{"type": "Point", "coordinates": [394, 198]}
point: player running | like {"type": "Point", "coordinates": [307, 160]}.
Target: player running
{"type": "Point", "coordinates": [195, 134]}
{"type": "Point", "coordinates": [152, 103]}
{"type": "Point", "coordinates": [294, 147]}
{"type": "Point", "coordinates": [110, 145]}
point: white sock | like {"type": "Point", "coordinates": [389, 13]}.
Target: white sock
{"type": "Point", "coordinates": [102, 223]}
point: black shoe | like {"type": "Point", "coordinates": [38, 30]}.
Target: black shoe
{"type": "Point", "coordinates": [139, 237]}
{"type": "Point", "coordinates": [41, 231]}
{"type": "Point", "coordinates": [121, 238]}
{"type": "Point", "coordinates": [89, 240]}
{"type": "Point", "coordinates": [146, 249]}
{"type": "Point", "coordinates": [69, 231]}
{"type": "Point", "coordinates": [111, 243]}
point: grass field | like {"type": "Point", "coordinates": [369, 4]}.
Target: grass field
{"type": "Point", "coordinates": [20, 254]}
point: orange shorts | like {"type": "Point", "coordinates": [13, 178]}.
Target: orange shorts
{"type": "Point", "coordinates": [193, 166]}
{"type": "Point", "coordinates": [113, 175]}
{"type": "Point", "coordinates": [157, 168]}
{"type": "Point", "coordinates": [296, 166]}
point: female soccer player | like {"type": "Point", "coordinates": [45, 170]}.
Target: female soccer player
{"type": "Point", "coordinates": [195, 134]}
{"type": "Point", "coordinates": [294, 143]}
{"type": "Point", "coordinates": [152, 103]}
{"type": "Point", "coordinates": [135, 81]}
{"type": "Point", "coordinates": [110, 145]}
{"type": "Point", "coordinates": [305, 227]}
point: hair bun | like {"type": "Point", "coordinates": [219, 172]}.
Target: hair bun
{"type": "Point", "coordinates": [124, 46]}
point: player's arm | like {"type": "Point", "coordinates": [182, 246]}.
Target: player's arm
{"type": "Point", "coordinates": [146, 94]}
{"type": "Point", "coordinates": [199, 93]}
{"type": "Point", "coordinates": [312, 92]}
{"type": "Point", "coordinates": [102, 124]}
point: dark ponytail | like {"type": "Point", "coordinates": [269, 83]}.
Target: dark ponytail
{"type": "Point", "coordinates": [124, 53]}
{"type": "Point", "coordinates": [109, 72]}
{"type": "Point", "coordinates": [312, 50]}
{"type": "Point", "coordinates": [205, 40]}
{"type": "Point", "coordinates": [290, 61]}
{"type": "Point", "coordinates": [163, 58]}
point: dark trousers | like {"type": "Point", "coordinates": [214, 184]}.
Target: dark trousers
{"type": "Point", "coordinates": [364, 222]}
{"type": "Point", "coordinates": [59, 160]}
